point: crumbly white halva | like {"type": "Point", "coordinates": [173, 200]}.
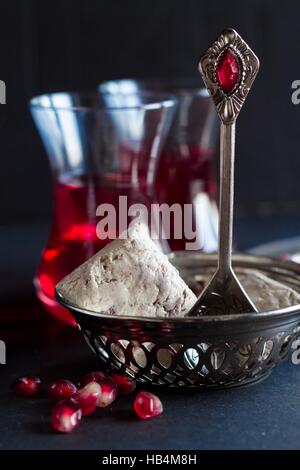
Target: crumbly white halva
{"type": "Point", "coordinates": [129, 276]}
{"type": "Point", "coordinates": [266, 293]}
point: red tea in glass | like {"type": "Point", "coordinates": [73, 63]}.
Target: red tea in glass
{"type": "Point", "coordinates": [186, 176]}
{"type": "Point", "coordinates": [74, 237]}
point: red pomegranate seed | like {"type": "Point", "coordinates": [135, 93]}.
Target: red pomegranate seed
{"type": "Point", "coordinates": [87, 397]}
{"type": "Point", "coordinates": [147, 405]}
{"type": "Point", "coordinates": [61, 389]}
{"type": "Point", "coordinates": [65, 416]}
{"type": "Point", "coordinates": [126, 385]}
{"type": "Point", "coordinates": [27, 386]}
{"type": "Point", "coordinates": [109, 392]}
{"type": "Point", "coordinates": [95, 376]}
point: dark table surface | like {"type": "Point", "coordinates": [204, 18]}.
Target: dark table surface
{"type": "Point", "coordinates": [264, 416]}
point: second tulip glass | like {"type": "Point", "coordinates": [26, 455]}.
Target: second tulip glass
{"type": "Point", "coordinates": [97, 153]}
{"type": "Point", "coordinates": [186, 173]}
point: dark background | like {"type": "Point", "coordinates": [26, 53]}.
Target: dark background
{"type": "Point", "coordinates": [75, 44]}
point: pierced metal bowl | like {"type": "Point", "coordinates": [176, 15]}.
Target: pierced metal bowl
{"type": "Point", "coordinates": [207, 352]}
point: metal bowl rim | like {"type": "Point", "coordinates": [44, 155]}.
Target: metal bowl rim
{"type": "Point", "coordinates": [232, 318]}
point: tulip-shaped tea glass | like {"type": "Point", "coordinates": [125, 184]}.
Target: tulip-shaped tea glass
{"type": "Point", "coordinates": [186, 172]}
{"type": "Point", "coordinates": [102, 157]}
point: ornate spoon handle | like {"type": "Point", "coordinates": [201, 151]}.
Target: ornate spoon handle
{"type": "Point", "coordinates": [228, 68]}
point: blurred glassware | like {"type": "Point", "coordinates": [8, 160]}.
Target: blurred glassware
{"type": "Point", "coordinates": [97, 153]}
{"type": "Point", "coordinates": [186, 172]}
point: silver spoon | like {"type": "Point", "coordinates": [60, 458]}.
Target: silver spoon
{"type": "Point", "coordinates": [228, 69]}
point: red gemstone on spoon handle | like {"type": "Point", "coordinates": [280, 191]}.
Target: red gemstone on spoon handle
{"type": "Point", "coordinates": [227, 72]}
